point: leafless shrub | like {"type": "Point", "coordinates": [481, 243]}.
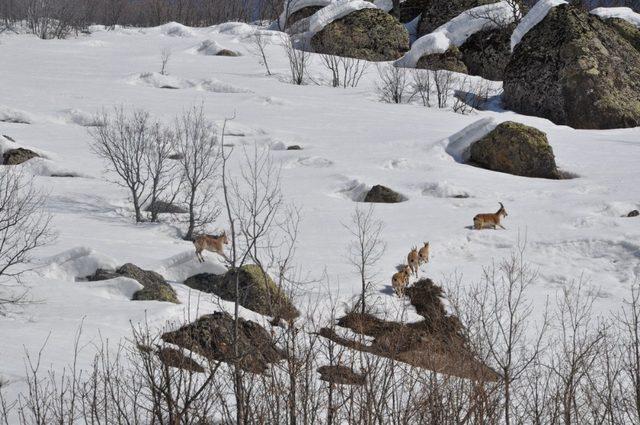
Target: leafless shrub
{"type": "Point", "coordinates": [443, 81]}
{"type": "Point", "coordinates": [56, 18]}
{"type": "Point", "coordinates": [392, 83]}
{"type": "Point", "coordinates": [298, 61]}
{"type": "Point", "coordinates": [422, 85]}
{"type": "Point", "coordinates": [24, 227]}
{"type": "Point", "coordinates": [345, 71]}
{"type": "Point", "coordinates": [165, 55]}
{"type": "Point", "coordinates": [259, 43]}
{"type": "Point", "coordinates": [198, 152]}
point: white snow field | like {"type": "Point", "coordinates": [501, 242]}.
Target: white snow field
{"type": "Point", "coordinates": [351, 141]}
{"type": "Point", "coordinates": [457, 31]}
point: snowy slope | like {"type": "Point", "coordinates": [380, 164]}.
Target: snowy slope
{"type": "Point", "coordinates": [350, 141]}
{"type": "Point", "coordinates": [457, 31]}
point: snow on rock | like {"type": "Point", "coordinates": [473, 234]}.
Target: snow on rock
{"type": "Point", "coordinates": [76, 263]}
{"type": "Point", "coordinates": [297, 5]}
{"type": "Point", "coordinates": [625, 13]}
{"type": "Point", "coordinates": [457, 31]}
{"type": "Point", "coordinates": [174, 29]}
{"type": "Point", "coordinates": [184, 265]}
{"type": "Point", "coordinates": [217, 86]}
{"type": "Point", "coordinates": [444, 189]}
{"type": "Point", "coordinates": [119, 288]}
{"type": "Point", "coordinates": [385, 5]}
{"type": "Point", "coordinates": [14, 116]}
{"type": "Point", "coordinates": [458, 144]}
{"type": "Point", "coordinates": [209, 48]}
{"type": "Point", "coordinates": [157, 80]}
{"type": "Point", "coordinates": [233, 28]}
{"type": "Point", "coordinates": [82, 118]}
{"type": "Point", "coordinates": [335, 11]}
{"type": "Point", "coordinates": [533, 18]}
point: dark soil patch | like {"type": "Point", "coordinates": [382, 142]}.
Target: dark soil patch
{"type": "Point", "coordinates": [436, 343]}
{"type": "Point", "coordinates": [340, 375]}
{"type": "Point", "coordinates": [211, 336]}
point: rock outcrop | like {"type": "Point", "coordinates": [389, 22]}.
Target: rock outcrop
{"type": "Point", "coordinates": [439, 12]}
{"type": "Point", "coordinates": [487, 53]}
{"type": "Point", "coordinates": [451, 60]}
{"type": "Point", "coordinates": [575, 69]}
{"type": "Point", "coordinates": [18, 156]}
{"type": "Point", "coordinates": [382, 194]}
{"type": "Point", "coordinates": [369, 34]}
{"type": "Point", "coordinates": [515, 149]}
{"type": "Point", "coordinates": [155, 287]}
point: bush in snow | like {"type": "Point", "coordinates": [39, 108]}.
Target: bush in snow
{"type": "Point", "coordinates": [392, 83]}
{"type": "Point", "coordinates": [298, 61]}
{"type": "Point", "coordinates": [345, 72]}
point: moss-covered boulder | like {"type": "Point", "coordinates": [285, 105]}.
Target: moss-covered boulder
{"type": "Point", "coordinates": [369, 34]}
{"type": "Point", "coordinates": [409, 10]}
{"type": "Point", "coordinates": [451, 60]}
{"type": "Point", "coordinates": [212, 337]}
{"type": "Point", "coordinates": [384, 195]}
{"type": "Point", "coordinates": [17, 156]}
{"type": "Point", "coordinates": [628, 31]}
{"type": "Point", "coordinates": [487, 53]}
{"type": "Point", "coordinates": [155, 287]}
{"type": "Point", "coordinates": [575, 69]}
{"type": "Point", "coordinates": [258, 292]}
{"type": "Point", "coordinates": [515, 149]}
{"type": "Point", "coordinates": [439, 12]}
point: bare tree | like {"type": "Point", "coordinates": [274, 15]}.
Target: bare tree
{"type": "Point", "coordinates": [160, 168]}
{"type": "Point", "coordinates": [366, 248]}
{"type": "Point", "coordinates": [259, 43]}
{"type": "Point", "coordinates": [443, 81]}
{"type": "Point", "coordinates": [422, 86]}
{"type": "Point", "coordinates": [123, 141]}
{"type": "Point", "coordinates": [165, 56]}
{"type": "Point", "coordinates": [24, 227]}
{"type": "Point", "coordinates": [198, 152]}
{"type": "Point", "coordinates": [392, 83]}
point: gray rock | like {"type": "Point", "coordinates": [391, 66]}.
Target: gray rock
{"type": "Point", "coordinates": [382, 194]}
{"type": "Point", "coordinates": [18, 156]}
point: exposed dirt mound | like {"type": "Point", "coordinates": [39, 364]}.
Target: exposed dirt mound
{"type": "Point", "coordinates": [258, 292]}
{"type": "Point", "coordinates": [340, 375]}
{"type": "Point", "coordinates": [211, 336]}
{"type": "Point", "coordinates": [436, 343]}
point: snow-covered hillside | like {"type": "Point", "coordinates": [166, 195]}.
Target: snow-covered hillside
{"type": "Point", "coordinates": [351, 141]}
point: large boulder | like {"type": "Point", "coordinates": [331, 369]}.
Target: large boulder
{"type": "Point", "coordinates": [384, 195]}
{"type": "Point", "coordinates": [155, 287]}
{"type": "Point", "coordinates": [628, 31]}
{"type": "Point", "coordinates": [212, 336]}
{"type": "Point", "coordinates": [409, 10]}
{"type": "Point", "coordinates": [18, 156]}
{"type": "Point", "coordinates": [515, 149]}
{"type": "Point", "coordinates": [487, 53]}
{"type": "Point", "coordinates": [438, 12]}
{"type": "Point", "coordinates": [369, 34]}
{"type": "Point", "coordinates": [451, 60]}
{"type": "Point", "coordinates": [575, 69]}
{"type": "Point", "coordinates": [258, 292]}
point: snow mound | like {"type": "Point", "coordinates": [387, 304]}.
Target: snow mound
{"type": "Point", "coordinates": [210, 48]}
{"type": "Point", "coordinates": [310, 161]}
{"type": "Point", "coordinates": [625, 13]}
{"type": "Point", "coordinates": [7, 144]}
{"type": "Point", "coordinates": [458, 144]}
{"type": "Point", "coordinates": [47, 168]}
{"type": "Point", "coordinates": [334, 11]}
{"type": "Point", "coordinates": [533, 18]}
{"type": "Point", "coordinates": [14, 116]}
{"type": "Point", "coordinates": [444, 189]}
{"type": "Point", "coordinates": [296, 5]}
{"type": "Point", "coordinates": [233, 28]}
{"type": "Point", "coordinates": [217, 86]}
{"type": "Point", "coordinates": [353, 190]}
{"type": "Point", "coordinates": [182, 266]}
{"type": "Point", "coordinates": [82, 118]}
{"type": "Point", "coordinates": [119, 288]}
{"type": "Point", "coordinates": [457, 31]}
{"type": "Point", "coordinates": [76, 263]}
{"type": "Point", "coordinates": [157, 80]}
{"type": "Point", "coordinates": [174, 29]}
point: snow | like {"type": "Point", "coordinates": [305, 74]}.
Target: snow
{"type": "Point", "coordinates": [536, 14]}
{"type": "Point", "coordinates": [209, 48]}
{"type": "Point", "coordinates": [335, 11]}
{"type": "Point", "coordinates": [457, 31]}
{"type": "Point", "coordinates": [625, 13]}
{"type": "Point", "coordinates": [386, 5]}
{"type": "Point", "coordinates": [16, 116]}
{"type": "Point", "coordinates": [350, 141]}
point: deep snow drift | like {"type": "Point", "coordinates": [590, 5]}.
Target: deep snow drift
{"type": "Point", "coordinates": [350, 141]}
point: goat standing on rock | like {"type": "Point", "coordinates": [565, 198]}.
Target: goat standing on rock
{"type": "Point", "coordinates": [210, 243]}
{"type": "Point", "coordinates": [482, 221]}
